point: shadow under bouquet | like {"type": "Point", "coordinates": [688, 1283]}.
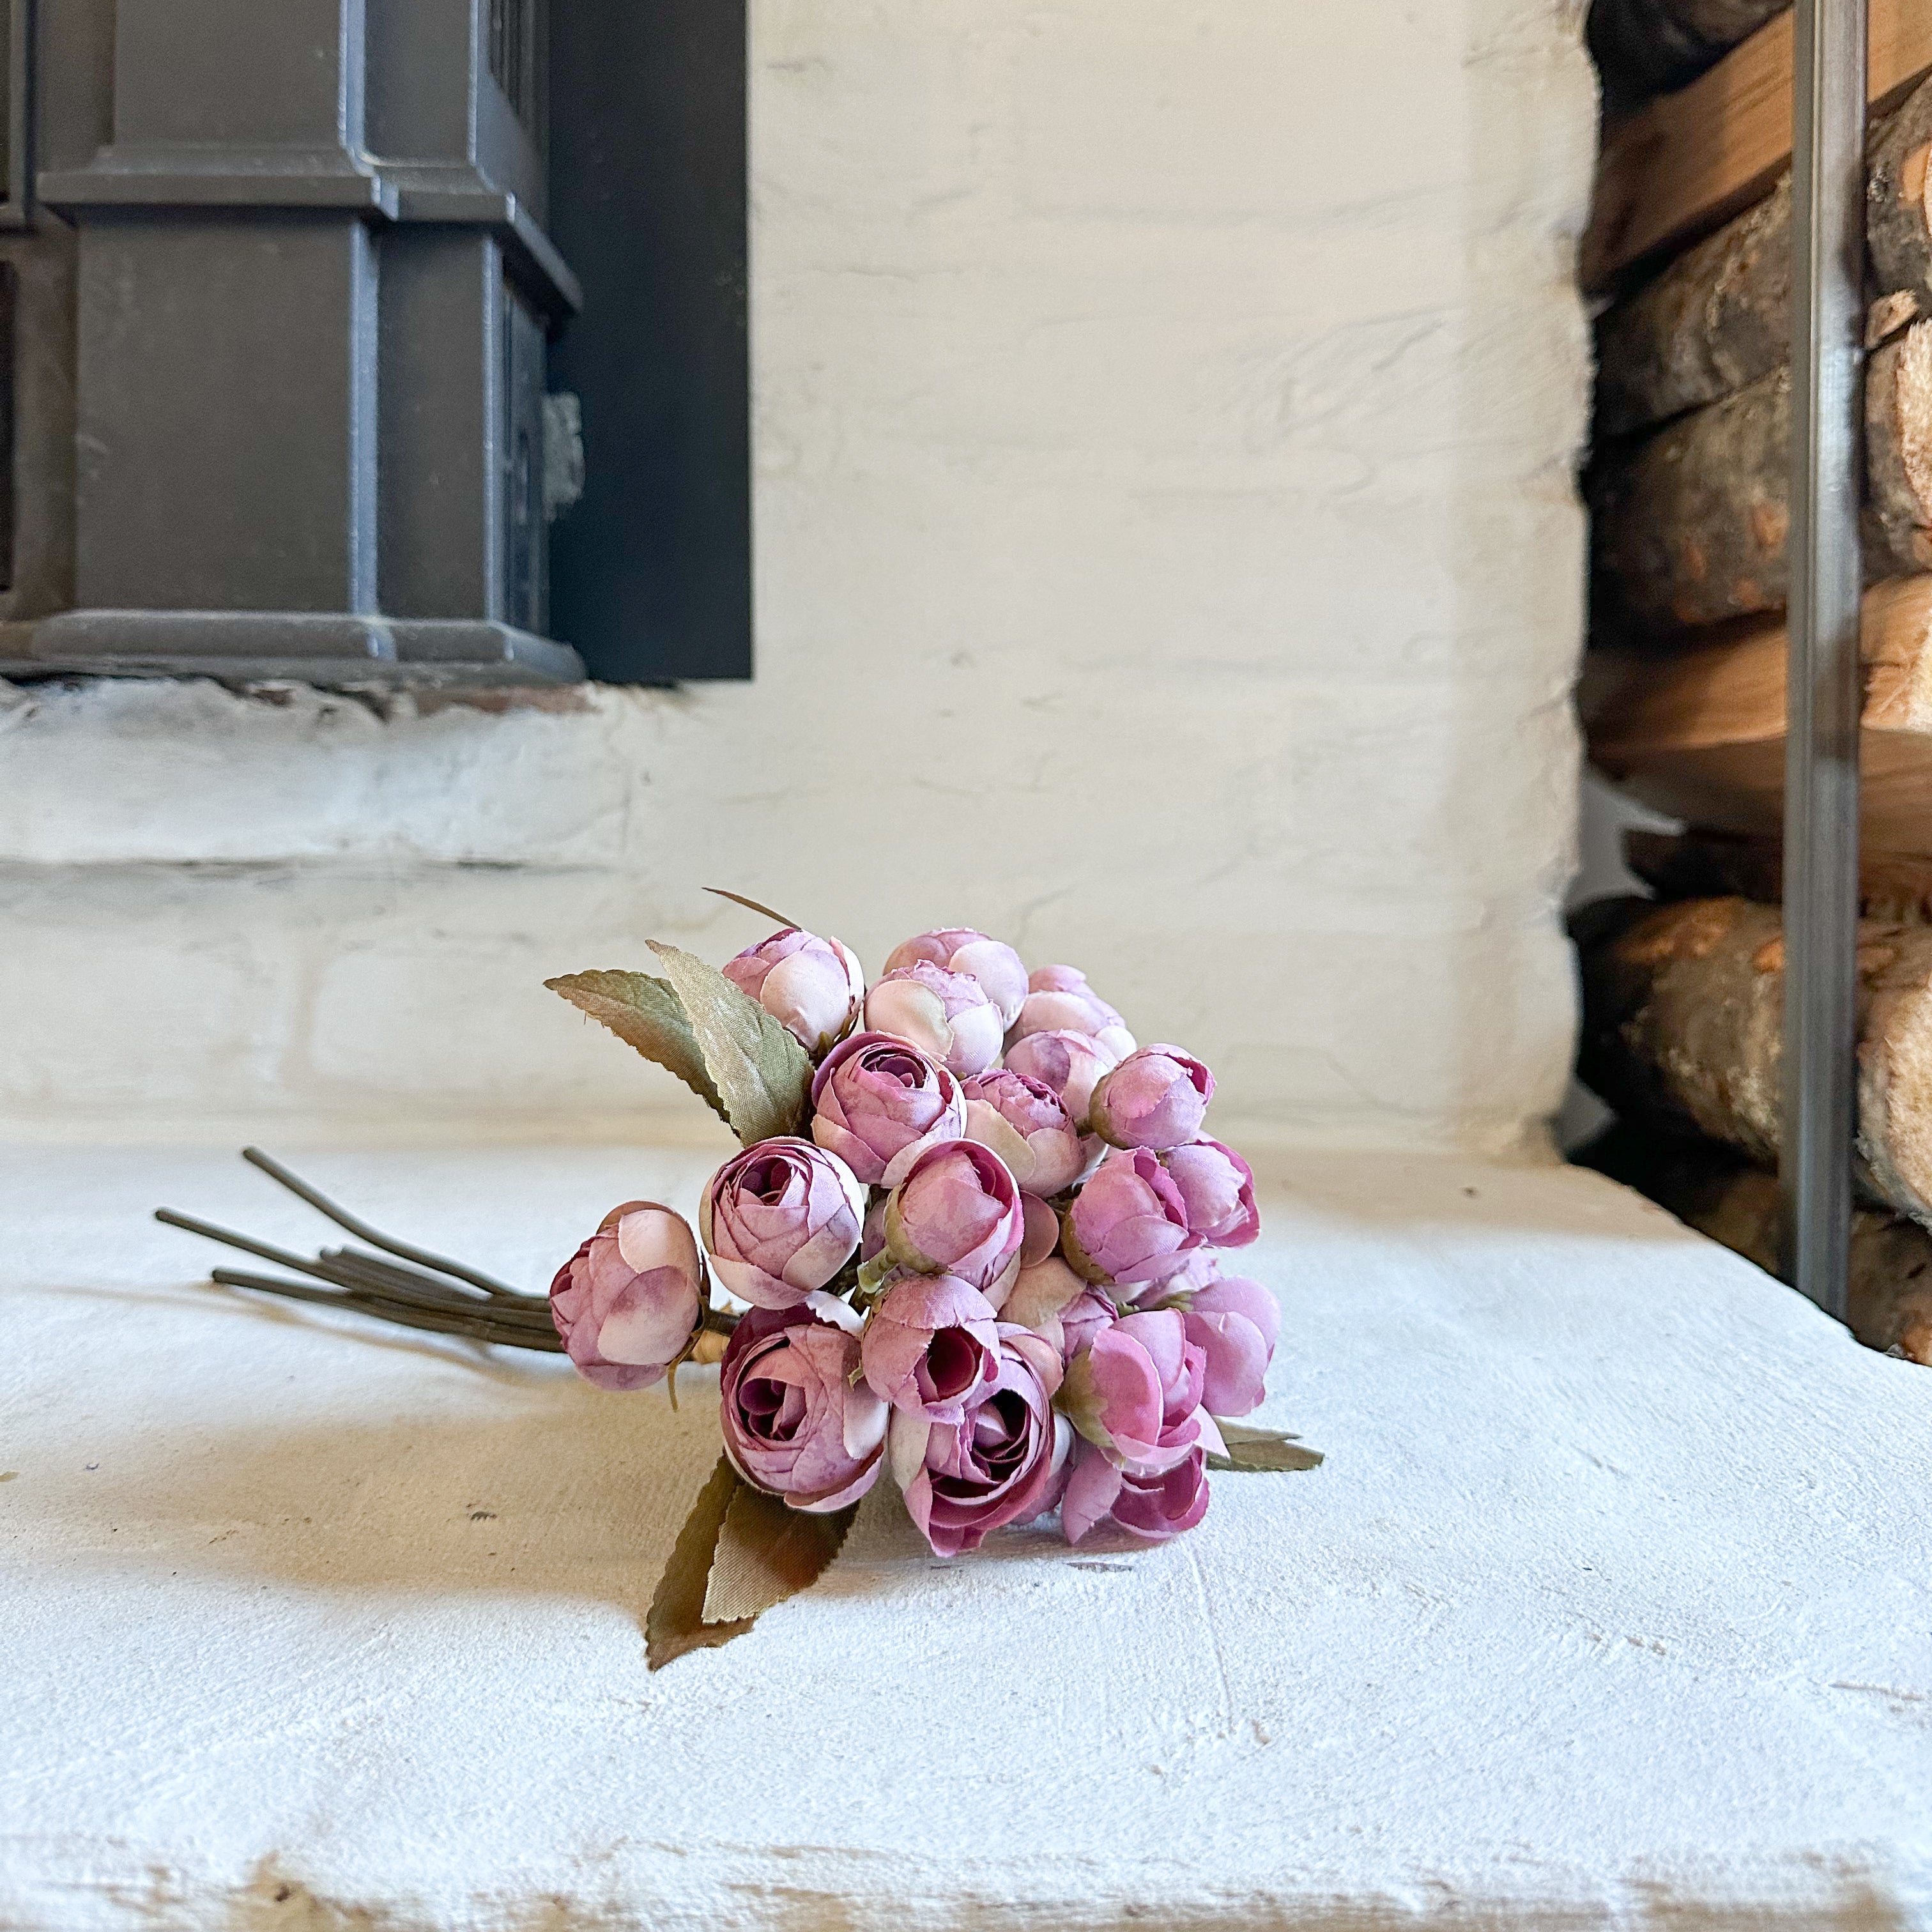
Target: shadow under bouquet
{"type": "Point", "coordinates": [972, 1244]}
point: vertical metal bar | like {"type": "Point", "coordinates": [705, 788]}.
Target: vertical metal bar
{"type": "Point", "coordinates": [1824, 685]}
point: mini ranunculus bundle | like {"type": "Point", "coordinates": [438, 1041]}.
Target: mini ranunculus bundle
{"type": "Point", "coordinates": [982, 1259]}
{"type": "Point", "coordinates": [972, 1246]}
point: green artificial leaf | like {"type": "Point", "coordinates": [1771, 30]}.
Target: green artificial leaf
{"type": "Point", "coordinates": [1253, 1450]}
{"type": "Point", "coordinates": [761, 1075]}
{"type": "Point", "coordinates": [767, 1552]}
{"type": "Point", "coordinates": [675, 1623]}
{"type": "Point", "coordinates": [645, 1013]}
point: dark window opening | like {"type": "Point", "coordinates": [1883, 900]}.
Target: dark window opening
{"type": "Point", "coordinates": [652, 568]}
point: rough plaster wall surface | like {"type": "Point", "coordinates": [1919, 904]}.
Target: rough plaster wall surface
{"type": "Point", "coordinates": [1166, 558]}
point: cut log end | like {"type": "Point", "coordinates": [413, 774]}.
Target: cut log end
{"type": "Point", "coordinates": [1912, 397]}
{"type": "Point", "coordinates": [1895, 1088]}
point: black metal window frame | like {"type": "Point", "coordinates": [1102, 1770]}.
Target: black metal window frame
{"type": "Point", "coordinates": [601, 135]}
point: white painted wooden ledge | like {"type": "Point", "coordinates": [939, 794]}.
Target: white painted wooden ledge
{"type": "Point", "coordinates": [1610, 1607]}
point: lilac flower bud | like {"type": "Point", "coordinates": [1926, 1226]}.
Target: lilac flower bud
{"type": "Point", "coordinates": [1234, 1322]}
{"type": "Point", "coordinates": [1156, 1098]}
{"type": "Point", "coordinates": [798, 1422]}
{"type": "Point", "coordinates": [1059, 997]}
{"type": "Point", "coordinates": [1128, 1224]}
{"type": "Point", "coordinates": [627, 1303]}
{"type": "Point", "coordinates": [946, 1016]}
{"type": "Point", "coordinates": [960, 949]}
{"type": "Point", "coordinates": [812, 987]}
{"type": "Point", "coordinates": [1003, 1461]}
{"type": "Point", "coordinates": [1022, 1121]}
{"type": "Point", "coordinates": [957, 1212]}
{"type": "Point", "coordinates": [1152, 1508]}
{"type": "Point", "coordinates": [1217, 1191]}
{"type": "Point", "coordinates": [1136, 1391]}
{"type": "Point", "coordinates": [931, 1347]}
{"type": "Point", "coordinates": [1072, 1064]}
{"type": "Point", "coordinates": [781, 1219]}
{"type": "Point", "coordinates": [878, 1102]}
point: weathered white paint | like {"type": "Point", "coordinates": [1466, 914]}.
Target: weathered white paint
{"type": "Point", "coordinates": [1167, 558]}
{"type": "Point", "coordinates": [1609, 1608]}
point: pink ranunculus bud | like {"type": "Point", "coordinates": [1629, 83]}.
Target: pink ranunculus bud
{"type": "Point", "coordinates": [878, 1101]}
{"type": "Point", "coordinates": [1136, 1391]}
{"type": "Point", "coordinates": [1128, 1225]}
{"type": "Point", "coordinates": [799, 1421]}
{"type": "Point", "coordinates": [1003, 1461]}
{"type": "Point", "coordinates": [781, 1219]}
{"type": "Point", "coordinates": [1233, 1321]}
{"type": "Point", "coordinates": [1217, 1190]}
{"type": "Point", "coordinates": [1058, 998]}
{"type": "Point", "coordinates": [960, 949]}
{"type": "Point", "coordinates": [627, 1302]}
{"type": "Point", "coordinates": [1152, 1508]}
{"type": "Point", "coordinates": [946, 1016]}
{"type": "Point", "coordinates": [931, 1347]}
{"type": "Point", "coordinates": [1022, 1121]}
{"type": "Point", "coordinates": [1072, 1064]}
{"type": "Point", "coordinates": [1156, 1098]}
{"type": "Point", "coordinates": [813, 988]}
{"type": "Point", "coordinates": [957, 1212]}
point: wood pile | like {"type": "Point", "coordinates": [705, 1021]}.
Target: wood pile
{"type": "Point", "coordinates": [1683, 696]}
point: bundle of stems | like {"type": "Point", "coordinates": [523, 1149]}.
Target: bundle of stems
{"type": "Point", "coordinates": [417, 1289]}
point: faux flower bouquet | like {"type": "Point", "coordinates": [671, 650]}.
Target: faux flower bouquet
{"type": "Point", "coordinates": [977, 1232]}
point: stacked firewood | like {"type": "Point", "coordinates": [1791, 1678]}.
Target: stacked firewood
{"type": "Point", "coordinates": [1683, 697]}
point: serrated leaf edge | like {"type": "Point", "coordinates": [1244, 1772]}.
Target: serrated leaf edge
{"type": "Point", "coordinates": [728, 1064]}
{"type": "Point", "coordinates": [567, 987]}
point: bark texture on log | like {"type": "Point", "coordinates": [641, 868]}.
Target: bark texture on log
{"type": "Point", "coordinates": [1651, 47]}
{"type": "Point", "coordinates": [1898, 223]}
{"type": "Point", "coordinates": [1683, 1022]}
{"type": "Point", "coordinates": [1717, 319]}
{"type": "Point", "coordinates": [1894, 887]}
{"type": "Point", "coordinates": [1690, 526]}
{"type": "Point", "coordinates": [1719, 1194]}
{"type": "Point", "coordinates": [1719, 316]}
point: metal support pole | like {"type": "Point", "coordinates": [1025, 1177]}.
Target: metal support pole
{"type": "Point", "coordinates": [1824, 685]}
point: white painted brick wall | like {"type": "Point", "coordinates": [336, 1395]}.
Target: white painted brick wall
{"type": "Point", "coordinates": [1166, 557]}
